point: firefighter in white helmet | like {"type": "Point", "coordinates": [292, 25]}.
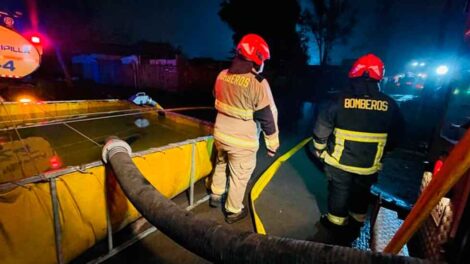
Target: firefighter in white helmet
{"type": "Point", "coordinates": [245, 107]}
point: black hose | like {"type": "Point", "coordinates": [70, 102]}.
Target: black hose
{"type": "Point", "coordinates": [220, 243]}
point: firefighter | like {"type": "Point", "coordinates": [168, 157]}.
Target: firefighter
{"type": "Point", "coordinates": [350, 136]}
{"type": "Point", "coordinates": [245, 107]}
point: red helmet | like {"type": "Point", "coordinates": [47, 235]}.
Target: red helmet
{"type": "Point", "coordinates": [254, 48]}
{"type": "Point", "coordinates": [370, 64]}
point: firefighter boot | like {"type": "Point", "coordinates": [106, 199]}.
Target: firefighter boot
{"type": "Point", "coordinates": [235, 217]}
{"type": "Point", "coordinates": [335, 234]}
{"type": "Point", "coordinates": [353, 223]}
{"type": "Point", "coordinates": [215, 200]}
{"type": "Point", "coordinates": [354, 230]}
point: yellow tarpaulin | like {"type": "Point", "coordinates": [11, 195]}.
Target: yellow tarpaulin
{"type": "Point", "coordinates": [26, 215]}
{"type": "Point", "coordinates": [13, 113]}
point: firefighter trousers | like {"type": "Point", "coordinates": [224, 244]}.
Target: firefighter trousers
{"type": "Point", "coordinates": [236, 164]}
{"type": "Point", "coordinates": [348, 194]}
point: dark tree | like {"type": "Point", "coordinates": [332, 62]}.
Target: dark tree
{"type": "Point", "coordinates": [330, 22]}
{"type": "Point", "coordinates": [276, 21]}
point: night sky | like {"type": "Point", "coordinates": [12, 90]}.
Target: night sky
{"type": "Point", "coordinates": [193, 25]}
{"type": "Point", "coordinates": [411, 31]}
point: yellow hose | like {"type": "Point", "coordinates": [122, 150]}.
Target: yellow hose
{"type": "Point", "coordinates": [266, 177]}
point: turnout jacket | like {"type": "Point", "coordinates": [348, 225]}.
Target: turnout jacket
{"type": "Point", "coordinates": [352, 131]}
{"type": "Point", "coordinates": [245, 106]}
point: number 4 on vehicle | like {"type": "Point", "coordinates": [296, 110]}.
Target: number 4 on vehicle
{"type": "Point", "coordinates": [9, 65]}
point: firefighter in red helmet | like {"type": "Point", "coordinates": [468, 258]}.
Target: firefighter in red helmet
{"type": "Point", "coordinates": [350, 136]}
{"type": "Point", "coordinates": [245, 107]}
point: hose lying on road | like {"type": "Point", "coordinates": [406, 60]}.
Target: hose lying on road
{"type": "Point", "coordinates": [220, 243]}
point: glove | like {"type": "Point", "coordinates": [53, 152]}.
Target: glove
{"type": "Point", "coordinates": [318, 149]}
{"type": "Point", "coordinates": [318, 153]}
{"type": "Point", "coordinates": [271, 153]}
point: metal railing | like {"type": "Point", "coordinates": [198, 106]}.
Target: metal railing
{"type": "Point", "coordinates": [52, 177]}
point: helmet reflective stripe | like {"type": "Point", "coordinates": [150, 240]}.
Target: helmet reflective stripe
{"type": "Point", "coordinates": [358, 68]}
{"type": "Point", "coordinates": [375, 69]}
{"type": "Point", "coordinates": [247, 48]}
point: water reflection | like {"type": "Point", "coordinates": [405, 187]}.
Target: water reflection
{"type": "Point", "coordinates": [51, 147]}
{"type": "Point", "coordinates": [141, 122]}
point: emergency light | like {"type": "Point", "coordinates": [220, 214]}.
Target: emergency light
{"type": "Point", "coordinates": [36, 40]}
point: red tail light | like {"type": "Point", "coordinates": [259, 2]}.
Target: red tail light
{"type": "Point", "coordinates": [55, 162]}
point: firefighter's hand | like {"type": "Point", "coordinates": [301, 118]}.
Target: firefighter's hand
{"type": "Point", "coordinates": [271, 153]}
{"type": "Point", "coordinates": [317, 153]}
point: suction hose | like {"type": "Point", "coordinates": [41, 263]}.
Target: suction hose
{"type": "Point", "coordinates": [221, 243]}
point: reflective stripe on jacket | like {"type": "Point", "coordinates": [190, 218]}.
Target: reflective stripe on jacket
{"type": "Point", "coordinates": [351, 132]}
{"type": "Point", "coordinates": [245, 107]}
{"type": "Point", "coordinates": [372, 144]}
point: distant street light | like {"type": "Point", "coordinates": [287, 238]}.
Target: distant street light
{"type": "Point", "coordinates": [414, 63]}
{"type": "Point", "coordinates": [442, 70]}
{"type": "Point", "coordinates": [422, 64]}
